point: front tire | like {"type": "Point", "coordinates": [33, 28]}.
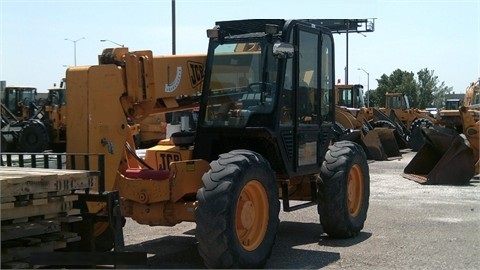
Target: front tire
{"type": "Point", "coordinates": [237, 213]}
{"type": "Point", "coordinates": [416, 139]}
{"type": "Point", "coordinates": [345, 190]}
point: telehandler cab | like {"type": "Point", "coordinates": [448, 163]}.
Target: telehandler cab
{"type": "Point", "coordinates": [264, 134]}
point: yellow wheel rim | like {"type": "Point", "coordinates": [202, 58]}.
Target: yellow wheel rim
{"type": "Point", "coordinates": [355, 190]}
{"type": "Point", "coordinates": [251, 216]}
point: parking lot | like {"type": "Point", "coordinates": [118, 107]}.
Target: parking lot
{"type": "Point", "coordinates": [409, 226]}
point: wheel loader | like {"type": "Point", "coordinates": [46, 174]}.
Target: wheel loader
{"type": "Point", "coordinates": [21, 128]}
{"type": "Point", "coordinates": [450, 117]}
{"type": "Point", "coordinates": [54, 113]}
{"type": "Point", "coordinates": [263, 139]}
{"type": "Point", "coordinates": [406, 122]}
{"type": "Point", "coordinates": [448, 156]}
{"type": "Point", "coordinates": [18, 100]}
{"type": "Point", "coordinates": [353, 122]}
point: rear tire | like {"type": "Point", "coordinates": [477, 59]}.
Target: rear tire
{"type": "Point", "coordinates": [34, 137]}
{"type": "Point", "coordinates": [345, 190]}
{"type": "Point", "coordinates": [237, 213]}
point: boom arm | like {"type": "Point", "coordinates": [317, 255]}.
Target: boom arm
{"type": "Point", "coordinates": [125, 84]}
{"type": "Point", "coordinates": [156, 84]}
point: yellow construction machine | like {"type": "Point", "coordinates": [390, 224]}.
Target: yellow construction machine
{"type": "Point", "coordinates": [353, 123]}
{"type": "Point", "coordinates": [407, 121]}
{"type": "Point", "coordinates": [450, 157]}
{"type": "Point", "coordinates": [450, 116]}
{"type": "Point", "coordinates": [447, 157]}
{"type": "Point", "coordinates": [54, 114]}
{"type": "Point", "coordinates": [349, 95]}
{"type": "Point", "coordinates": [31, 125]}
{"type": "Point", "coordinates": [400, 105]}
{"type": "Point", "coordinates": [472, 95]}
{"type": "Point", "coordinates": [22, 129]}
{"type": "Point", "coordinates": [17, 102]}
{"type": "Point", "coordinates": [261, 137]}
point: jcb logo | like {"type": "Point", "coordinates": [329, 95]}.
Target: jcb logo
{"type": "Point", "coordinates": [196, 72]}
{"type": "Point", "coordinates": [165, 158]}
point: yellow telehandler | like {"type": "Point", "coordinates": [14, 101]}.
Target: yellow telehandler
{"type": "Point", "coordinates": [262, 137]}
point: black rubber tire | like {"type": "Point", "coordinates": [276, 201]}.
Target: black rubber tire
{"type": "Point", "coordinates": [34, 137]}
{"type": "Point", "coordinates": [334, 207]}
{"type": "Point", "coordinates": [216, 232]}
{"type": "Point", "coordinates": [383, 123]}
{"type": "Point", "coordinates": [421, 122]}
{"type": "Point", "coordinates": [416, 136]}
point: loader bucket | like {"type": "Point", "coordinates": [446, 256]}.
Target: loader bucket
{"type": "Point", "coordinates": [374, 146]}
{"type": "Point", "coordinates": [445, 159]}
{"type": "Point", "coordinates": [378, 144]}
{"type": "Point", "coordinates": [356, 136]}
{"type": "Point", "coordinates": [389, 142]}
{"type": "Point", "coordinates": [381, 144]}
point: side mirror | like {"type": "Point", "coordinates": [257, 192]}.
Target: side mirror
{"type": "Point", "coordinates": [283, 50]}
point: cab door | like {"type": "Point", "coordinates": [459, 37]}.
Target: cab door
{"type": "Point", "coordinates": [313, 68]}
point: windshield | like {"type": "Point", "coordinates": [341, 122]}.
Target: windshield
{"type": "Point", "coordinates": [351, 96]}
{"type": "Point", "coordinates": [359, 101]}
{"type": "Point", "coordinates": [19, 96]}
{"type": "Point", "coordinates": [397, 101]}
{"type": "Point", "coordinates": [56, 97]}
{"type": "Point", "coordinates": [476, 98]}
{"type": "Point", "coordinates": [241, 84]}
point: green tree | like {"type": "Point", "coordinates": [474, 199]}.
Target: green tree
{"type": "Point", "coordinates": [431, 92]}
{"type": "Point", "coordinates": [398, 82]}
{"type": "Point", "coordinates": [424, 92]}
{"type": "Point", "coordinates": [427, 82]}
{"type": "Point", "coordinates": [439, 95]}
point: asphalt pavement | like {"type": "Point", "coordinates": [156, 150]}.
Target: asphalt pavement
{"type": "Point", "coordinates": [409, 226]}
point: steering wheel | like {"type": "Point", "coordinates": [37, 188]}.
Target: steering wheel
{"type": "Point", "coordinates": [256, 87]}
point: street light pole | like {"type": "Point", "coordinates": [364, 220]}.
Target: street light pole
{"type": "Point", "coordinates": [368, 86]}
{"type": "Point", "coordinates": [75, 49]}
{"type": "Point", "coordinates": [174, 40]}
{"type": "Point", "coordinates": [118, 44]}
{"type": "Point", "coordinates": [346, 65]}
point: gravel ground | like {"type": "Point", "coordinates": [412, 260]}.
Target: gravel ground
{"type": "Point", "coordinates": [409, 226]}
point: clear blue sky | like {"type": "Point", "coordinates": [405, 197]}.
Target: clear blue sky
{"type": "Point", "coordinates": [443, 36]}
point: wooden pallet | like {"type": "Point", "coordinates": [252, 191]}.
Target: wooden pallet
{"type": "Point", "coordinates": [35, 203]}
